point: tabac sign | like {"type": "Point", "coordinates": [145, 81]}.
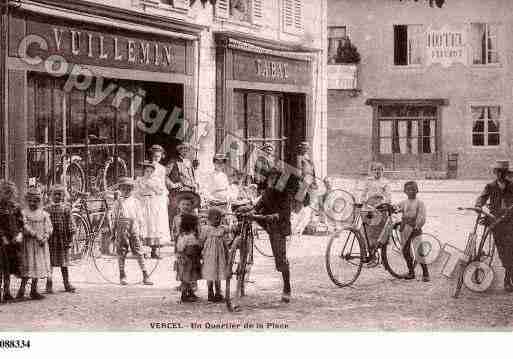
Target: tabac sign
{"type": "Point", "coordinates": [446, 46]}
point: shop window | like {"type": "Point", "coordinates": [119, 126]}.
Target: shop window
{"type": "Point", "coordinates": [407, 129]}
{"type": "Point", "coordinates": [258, 119]}
{"type": "Point", "coordinates": [337, 36]}
{"type": "Point", "coordinates": [485, 125]}
{"type": "Point", "coordinates": [408, 45]}
{"type": "Point", "coordinates": [246, 11]}
{"type": "Point", "coordinates": [484, 43]}
{"type": "Point", "coordinates": [292, 16]}
{"type": "Point", "coordinates": [177, 4]}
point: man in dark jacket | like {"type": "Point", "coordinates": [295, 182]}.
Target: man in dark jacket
{"type": "Point", "coordinates": [499, 193]}
{"type": "Point", "coordinates": [273, 215]}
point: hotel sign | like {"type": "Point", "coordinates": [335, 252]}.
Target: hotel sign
{"type": "Point", "coordinates": [110, 47]}
{"type": "Point", "coordinates": [446, 46]}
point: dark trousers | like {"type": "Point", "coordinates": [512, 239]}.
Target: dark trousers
{"type": "Point", "coordinates": [503, 237]}
{"type": "Point", "coordinates": [408, 257]}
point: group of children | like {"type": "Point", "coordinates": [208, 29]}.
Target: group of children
{"type": "Point", "coordinates": [201, 250]}
{"type": "Point", "coordinates": [33, 240]}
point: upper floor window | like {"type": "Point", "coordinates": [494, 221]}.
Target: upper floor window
{"type": "Point", "coordinates": [484, 40]}
{"type": "Point", "coordinates": [485, 125]}
{"type": "Point", "coordinates": [337, 35]}
{"type": "Point", "coordinates": [408, 45]}
{"type": "Point", "coordinates": [292, 16]}
{"type": "Point", "coordinates": [177, 4]}
{"type": "Point", "coordinates": [249, 11]}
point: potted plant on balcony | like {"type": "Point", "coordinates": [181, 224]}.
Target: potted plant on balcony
{"type": "Point", "coordinates": [347, 53]}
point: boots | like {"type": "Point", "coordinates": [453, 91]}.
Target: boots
{"type": "Point", "coordinates": [7, 288]}
{"type": "Point", "coordinates": [34, 294]}
{"type": "Point", "coordinates": [218, 297]}
{"type": "Point", "coordinates": [210, 297]}
{"type": "Point", "coordinates": [65, 278]}
{"type": "Point", "coordinates": [21, 290]}
{"type": "Point", "coordinates": [49, 285]}
{"type": "Point", "coordinates": [285, 297]}
{"type": "Point", "coordinates": [122, 277]}
{"type": "Point", "coordinates": [146, 278]}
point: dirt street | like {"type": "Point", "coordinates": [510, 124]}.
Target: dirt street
{"type": "Point", "coordinates": [376, 301]}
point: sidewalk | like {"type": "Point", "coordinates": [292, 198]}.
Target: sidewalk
{"type": "Point", "coordinates": [425, 186]}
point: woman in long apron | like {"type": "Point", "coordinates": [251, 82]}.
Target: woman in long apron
{"type": "Point", "coordinates": [161, 200]}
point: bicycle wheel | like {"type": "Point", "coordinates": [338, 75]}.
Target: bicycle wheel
{"type": "Point", "coordinates": [469, 250]}
{"type": "Point", "coordinates": [238, 260]}
{"type": "Point", "coordinates": [263, 243]}
{"type": "Point", "coordinates": [74, 178]}
{"type": "Point", "coordinates": [474, 275]}
{"type": "Point", "coordinates": [79, 243]}
{"type": "Point", "coordinates": [392, 256]}
{"type": "Point", "coordinates": [113, 169]}
{"type": "Point", "coordinates": [344, 257]}
{"type": "Point", "coordinates": [107, 264]}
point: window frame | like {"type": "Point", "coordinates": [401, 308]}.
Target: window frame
{"type": "Point", "coordinates": [339, 38]}
{"type": "Point", "coordinates": [419, 136]}
{"type": "Point", "coordinates": [408, 53]}
{"type": "Point", "coordinates": [485, 129]}
{"type": "Point", "coordinates": [498, 40]}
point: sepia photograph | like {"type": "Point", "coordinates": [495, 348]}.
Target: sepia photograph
{"type": "Point", "coordinates": [255, 166]}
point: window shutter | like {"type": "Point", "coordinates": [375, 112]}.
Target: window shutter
{"type": "Point", "coordinates": [258, 12]}
{"type": "Point", "coordinates": [181, 4]}
{"type": "Point", "coordinates": [222, 9]}
{"type": "Point", "coordinates": [298, 15]}
{"type": "Point", "coordinates": [288, 16]}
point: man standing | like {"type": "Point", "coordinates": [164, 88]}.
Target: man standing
{"type": "Point", "coordinates": [500, 195]}
{"type": "Point", "coordinates": [181, 177]}
{"type": "Point", "coordinates": [263, 165]}
{"type": "Point", "coordinates": [272, 213]}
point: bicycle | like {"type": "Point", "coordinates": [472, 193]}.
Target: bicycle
{"type": "Point", "coordinates": [95, 237]}
{"type": "Point", "coordinates": [240, 258]}
{"type": "Point", "coordinates": [482, 253]}
{"type": "Point", "coordinates": [349, 248]}
{"type": "Point", "coordinates": [109, 167]}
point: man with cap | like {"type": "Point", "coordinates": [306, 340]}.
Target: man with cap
{"type": "Point", "coordinates": [499, 193]}
{"type": "Point", "coordinates": [181, 176]}
{"type": "Point", "coordinates": [272, 213]}
{"type": "Point", "coordinates": [127, 229]}
{"type": "Point", "coordinates": [263, 165]}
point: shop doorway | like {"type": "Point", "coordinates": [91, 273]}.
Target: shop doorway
{"type": "Point", "coordinates": [87, 142]}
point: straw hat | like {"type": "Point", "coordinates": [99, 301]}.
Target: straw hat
{"type": "Point", "coordinates": [501, 165]}
{"type": "Point", "coordinates": [145, 164]}
{"type": "Point", "coordinates": [192, 196]}
{"type": "Point", "coordinates": [57, 188]}
{"type": "Point", "coordinates": [267, 147]}
{"type": "Point", "coordinates": [157, 148]}
{"type": "Point", "coordinates": [33, 192]}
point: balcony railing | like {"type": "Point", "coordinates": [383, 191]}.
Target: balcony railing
{"type": "Point", "coordinates": [342, 77]}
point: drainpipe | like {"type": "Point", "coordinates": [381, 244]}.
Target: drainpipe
{"type": "Point", "coordinates": [4, 36]}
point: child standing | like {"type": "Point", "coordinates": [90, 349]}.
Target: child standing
{"type": "Point", "coordinates": [36, 254]}
{"type": "Point", "coordinates": [413, 219]}
{"type": "Point", "coordinates": [61, 237]}
{"type": "Point", "coordinates": [11, 227]}
{"type": "Point", "coordinates": [127, 229]}
{"type": "Point", "coordinates": [215, 238]}
{"type": "Point", "coordinates": [188, 256]}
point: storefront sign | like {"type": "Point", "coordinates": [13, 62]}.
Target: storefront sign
{"type": "Point", "coordinates": [109, 48]}
{"type": "Point", "coordinates": [446, 46]}
{"type": "Point", "coordinates": [272, 70]}
{"type": "Point", "coordinates": [265, 68]}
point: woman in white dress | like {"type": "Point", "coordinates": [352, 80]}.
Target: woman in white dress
{"type": "Point", "coordinates": [219, 188]}
{"type": "Point", "coordinates": [148, 192]}
{"type": "Point", "coordinates": [161, 199]}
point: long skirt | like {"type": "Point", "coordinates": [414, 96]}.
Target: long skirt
{"type": "Point", "coordinates": [36, 259]}
{"type": "Point", "coordinates": [150, 207]}
{"type": "Point", "coordinates": [160, 208]}
{"type": "Point", "coordinates": [59, 252]}
{"type": "Point", "coordinates": [188, 265]}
